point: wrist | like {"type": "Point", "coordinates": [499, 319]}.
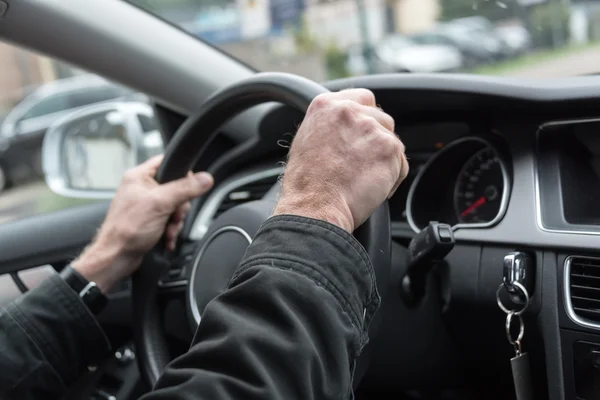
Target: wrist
{"type": "Point", "coordinates": [105, 263]}
{"type": "Point", "coordinates": [336, 214]}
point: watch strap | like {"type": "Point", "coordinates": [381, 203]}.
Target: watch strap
{"type": "Point", "coordinates": [87, 291]}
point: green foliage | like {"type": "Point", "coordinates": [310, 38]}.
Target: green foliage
{"type": "Point", "coordinates": [51, 202]}
{"type": "Point", "coordinates": [550, 24]}
{"type": "Point", "coordinates": [335, 61]}
{"type": "Point", "coordinates": [492, 10]}
{"type": "Point", "coordinates": [305, 43]}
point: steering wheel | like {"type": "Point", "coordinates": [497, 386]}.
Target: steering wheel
{"type": "Point", "coordinates": [226, 240]}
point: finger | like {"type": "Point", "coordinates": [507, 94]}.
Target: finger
{"type": "Point", "coordinates": [172, 233]}
{"type": "Point", "coordinates": [150, 166]}
{"type": "Point", "coordinates": [185, 189]}
{"type": "Point", "coordinates": [181, 212]}
{"type": "Point", "coordinates": [361, 96]}
{"type": "Point", "coordinates": [381, 116]}
{"type": "Point", "coordinates": [404, 170]}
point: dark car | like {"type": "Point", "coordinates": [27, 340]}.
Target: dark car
{"type": "Point", "coordinates": [23, 128]}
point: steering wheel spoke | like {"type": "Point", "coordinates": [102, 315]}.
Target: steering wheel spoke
{"type": "Point", "coordinates": [177, 274]}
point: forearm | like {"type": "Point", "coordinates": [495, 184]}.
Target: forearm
{"type": "Point", "coordinates": [48, 338]}
{"type": "Point", "coordinates": [290, 324]}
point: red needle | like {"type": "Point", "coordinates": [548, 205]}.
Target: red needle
{"type": "Point", "coordinates": [479, 202]}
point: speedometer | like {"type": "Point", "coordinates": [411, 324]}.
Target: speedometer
{"type": "Point", "coordinates": [479, 188]}
{"type": "Point", "coordinates": [465, 184]}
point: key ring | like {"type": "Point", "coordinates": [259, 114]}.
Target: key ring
{"type": "Point", "coordinates": [506, 310]}
{"type": "Point", "coordinates": [509, 318]}
{"type": "Point", "coordinates": [517, 347]}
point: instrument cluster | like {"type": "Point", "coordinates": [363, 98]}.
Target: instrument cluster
{"type": "Point", "coordinates": [465, 184]}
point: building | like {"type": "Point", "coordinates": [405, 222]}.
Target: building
{"type": "Point", "coordinates": [413, 16]}
{"type": "Point", "coordinates": [21, 71]}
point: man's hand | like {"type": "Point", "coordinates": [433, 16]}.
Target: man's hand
{"type": "Point", "coordinates": [344, 161]}
{"type": "Point", "coordinates": [141, 211]}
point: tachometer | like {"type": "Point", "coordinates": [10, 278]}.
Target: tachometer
{"type": "Point", "coordinates": [479, 188]}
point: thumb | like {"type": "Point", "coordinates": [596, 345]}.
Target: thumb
{"type": "Point", "coordinates": [185, 189]}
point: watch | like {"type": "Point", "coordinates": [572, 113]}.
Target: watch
{"type": "Point", "coordinates": [88, 291]}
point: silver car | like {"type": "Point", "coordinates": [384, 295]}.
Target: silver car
{"type": "Point", "coordinates": [22, 130]}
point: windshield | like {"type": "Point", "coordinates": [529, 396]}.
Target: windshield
{"type": "Point", "coordinates": [397, 42]}
{"type": "Point", "coordinates": [319, 38]}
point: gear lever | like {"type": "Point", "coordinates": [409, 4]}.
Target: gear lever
{"type": "Point", "coordinates": [427, 248]}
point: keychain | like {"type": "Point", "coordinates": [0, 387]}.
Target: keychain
{"type": "Point", "coordinates": [521, 370]}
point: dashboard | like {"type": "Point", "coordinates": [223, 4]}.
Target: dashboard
{"type": "Point", "coordinates": [510, 165]}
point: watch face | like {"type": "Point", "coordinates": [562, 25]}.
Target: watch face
{"type": "Point", "coordinates": [93, 298]}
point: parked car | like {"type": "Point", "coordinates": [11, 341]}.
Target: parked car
{"type": "Point", "coordinates": [401, 54]}
{"type": "Point", "coordinates": [473, 51]}
{"type": "Point", "coordinates": [481, 31]}
{"type": "Point", "coordinates": [357, 61]}
{"type": "Point", "coordinates": [516, 39]}
{"type": "Point", "coordinates": [22, 130]}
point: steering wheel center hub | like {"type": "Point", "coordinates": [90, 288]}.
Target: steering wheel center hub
{"type": "Point", "coordinates": [221, 252]}
{"type": "Point", "coordinates": [224, 248]}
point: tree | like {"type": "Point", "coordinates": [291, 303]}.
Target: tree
{"type": "Point", "coordinates": [550, 24]}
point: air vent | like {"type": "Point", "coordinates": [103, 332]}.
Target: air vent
{"type": "Point", "coordinates": [582, 290]}
{"type": "Point", "coordinates": [250, 191]}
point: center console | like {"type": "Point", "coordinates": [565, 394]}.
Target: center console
{"type": "Point", "coordinates": [568, 197]}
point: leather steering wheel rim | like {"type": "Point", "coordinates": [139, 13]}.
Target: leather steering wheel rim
{"type": "Point", "coordinates": [183, 151]}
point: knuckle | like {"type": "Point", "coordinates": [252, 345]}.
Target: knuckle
{"type": "Point", "coordinates": [391, 121]}
{"type": "Point", "coordinates": [345, 110]}
{"type": "Point", "coordinates": [386, 144]}
{"type": "Point", "coordinates": [368, 124]}
{"type": "Point", "coordinates": [404, 169]}
{"type": "Point", "coordinates": [397, 146]}
{"type": "Point", "coordinates": [365, 96]}
{"type": "Point", "coordinates": [321, 101]}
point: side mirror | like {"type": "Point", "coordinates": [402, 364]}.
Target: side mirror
{"type": "Point", "coordinates": [86, 153]}
{"type": "Point", "coordinates": [18, 126]}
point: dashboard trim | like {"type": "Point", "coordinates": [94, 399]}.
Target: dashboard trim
{"type": "Point", "coordinates": [207, 212]}
{"type": "Point", "coordinates": [567, 294]}
{"type": "Point", "coordinates": [505, 192]}
{"type": "Point", "coordinates": [538, 206]}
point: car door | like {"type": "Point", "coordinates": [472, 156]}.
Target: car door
{"type": "Point", "coordinates": [41, 232]}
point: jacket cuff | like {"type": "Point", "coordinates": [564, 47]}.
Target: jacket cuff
{"type": "Point", "coordinates": [81, 342]}
{"type": "Point", "coordinates": [325, 253]}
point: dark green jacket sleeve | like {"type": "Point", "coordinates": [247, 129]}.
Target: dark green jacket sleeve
{"type": "Point", "coordinates": [290, 325]}
{"type": "Point", "coordinates": [47, 339]}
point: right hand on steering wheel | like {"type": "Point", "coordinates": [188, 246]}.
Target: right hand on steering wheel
{"type": "Point", "coordinates": [344, 161]}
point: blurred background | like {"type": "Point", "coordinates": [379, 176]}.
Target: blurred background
{"type": "Point", "coordinates": [319, 39]}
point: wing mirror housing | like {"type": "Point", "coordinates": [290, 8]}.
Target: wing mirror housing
{"type": "Point", "coordinates": [86, 153]}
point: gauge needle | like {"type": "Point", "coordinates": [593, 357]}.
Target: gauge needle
{"type": "Point", "coordinates": [479, 202]}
